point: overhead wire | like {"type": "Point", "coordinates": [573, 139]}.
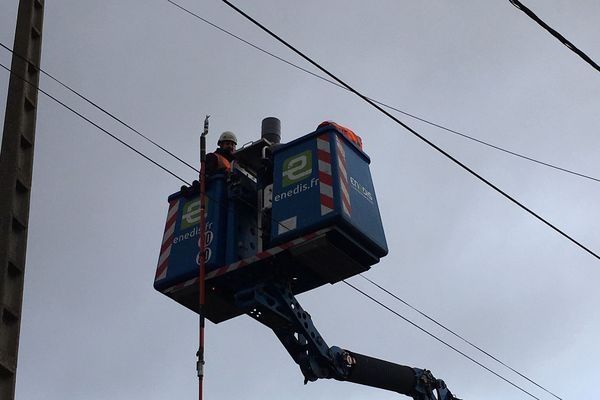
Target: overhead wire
{"type": "Point", "coordinates": [104, 130]}
{"type": "Point", "coordinates": [555, 33]}
{"type": "Point", "coordinates": [249, 204]}
{"type": "Point", "coordinates": [130, 147]}
{"type": "Point", "coordinates": [411, 130]}
{"type": "Point", "coordinates": [95, 125]}
{"type": "Point", "coordinates": [421, 119]}
{"type": "Point", "coordinates": [416, 117]}
{"type": "Point", "coordinates": [103, 110]}
{"type": "Point", "coordinates": [457, 335]}
{"type": "Point", "coordinates": [441, 340]}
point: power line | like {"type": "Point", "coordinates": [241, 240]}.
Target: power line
{"type": "Point", "coordinates": [96, 125]}
{"type": "Point", "coordinates": [457, 335]}
{"type": "Point", "coordinates": [295, 66]}
{"type": "Point", "coordinates": [101, 109]}
{"type": "Point", "coordinates": [108, 133]}
{"type": "Point", "coordinates": [453, 131]}
{"type": "Point", "coordinates": [555, 33]}
{"type": "Point", "coordinates": [434, 124]}
{"type": "Point", "coordinates": [253, 206]}
{"type": "Point", "coordinates": [116, 138]}
{"type": "Point", "coordinates": [411, 130]}
{"type": "Point", "coordinates": [440, 340]}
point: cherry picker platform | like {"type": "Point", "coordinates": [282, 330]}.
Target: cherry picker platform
{"type": "Point", "coordinates": [288, 218]}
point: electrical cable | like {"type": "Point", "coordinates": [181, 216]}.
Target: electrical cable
{"type": "Point", "coordinates": [107, 132]}
{"type": "Point", "coordinates": [320, 77]}
{"type": "Point", "coordinates": [457, 335]}
{"type": "Point", "coordinates": [94, 124]}
{"type": "Point", "coordinates": [411, 130]}
{"type": "Point", "coordinates": [440, 340]}
{"type": "Point", "coordinates": [99, 108]}
{"type": "Point", "coordinates": [434, 124]}
{"type": "Point", "coordinates": [555, 33]}
{"type": "Point", "coordinates": [103, 130]}
{"type": "Point", "coordinates": [421, 119]}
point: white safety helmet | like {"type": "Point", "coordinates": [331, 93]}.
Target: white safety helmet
{"type": "Point", "coordinates": [227, 135]}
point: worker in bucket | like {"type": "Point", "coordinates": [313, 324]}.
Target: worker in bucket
{"type": "Point", "coordinates": [220, 160]}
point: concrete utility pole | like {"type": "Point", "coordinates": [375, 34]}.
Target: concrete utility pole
{"type": "Point", "coordinates": [16, 167]}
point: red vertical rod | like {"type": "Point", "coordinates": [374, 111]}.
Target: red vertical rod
{"type": "Point", "coordinates": [202, 260]}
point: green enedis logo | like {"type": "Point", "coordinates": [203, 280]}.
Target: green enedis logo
{"type": "Point", "coordinates": [297, 167]}
{"type": "Point", "coordinates": [191, 213]}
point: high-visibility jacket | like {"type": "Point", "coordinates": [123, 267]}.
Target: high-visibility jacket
{"type": "Point", "coordinates": [354, 138]}
{"type": "Point", "coordinates": [222, 162]}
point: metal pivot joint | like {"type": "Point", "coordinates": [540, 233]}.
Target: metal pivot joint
{"type": "Point", "coordinates": [274, 305]}
{"type": "Point", "coordinates": [427, 385]}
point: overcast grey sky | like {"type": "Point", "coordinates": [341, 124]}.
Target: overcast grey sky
{"type": "Point", "coordinates": [94, 328]}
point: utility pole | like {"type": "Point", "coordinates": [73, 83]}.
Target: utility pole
{"type": "Point", "coordinates": [16, 167]}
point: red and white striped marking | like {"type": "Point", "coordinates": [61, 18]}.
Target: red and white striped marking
{"type": "Point", "coordinates": [325, 176]}
{"type": "Point", "coordinates": [167, 242]}
{"type": "Point", "coordinates": [250, 260]}
{"type": "Point", "coordinates": [343, 171]}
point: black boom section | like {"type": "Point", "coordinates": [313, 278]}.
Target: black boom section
{"type": "Point", "coordinates": [382, 374]}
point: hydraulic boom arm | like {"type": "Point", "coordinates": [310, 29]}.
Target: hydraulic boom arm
{"type": "Point", "coordinates": [274, 305]}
